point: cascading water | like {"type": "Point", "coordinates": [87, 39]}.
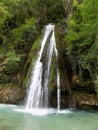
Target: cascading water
{"type": "Point", "coordinates": [58, 90]}
{"type": "Point", "coordinates": [58, 75]}
{"type": "Point", "coordinates": [38, 95]}
{"type": "Point", "coordinates": [47, 72]}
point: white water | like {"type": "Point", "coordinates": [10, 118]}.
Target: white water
{"type": "Point", "coordinates": [38, 95]}
{"type": "Point", "coordinates": [58, 75]}
{"type": "Point", "coordinates": [58, 90]}
{"type": "Point", "coordinates": [47, 72]}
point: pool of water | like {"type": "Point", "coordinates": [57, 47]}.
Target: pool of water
{"type": "Point", "coordinates": [16, 118]}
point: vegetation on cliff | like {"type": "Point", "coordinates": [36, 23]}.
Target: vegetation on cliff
{"type": "Point", "coordinates": [82, 40]}
{"type": "Point", "coordinates": [21, 23]}
{"type": "Point", "coordinates": [17, 32]}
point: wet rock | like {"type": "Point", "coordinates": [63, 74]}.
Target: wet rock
{"type": "Point", "coordinates": [86, 101]}
{"type": "Point", "coordinates": [9, 94]}
{"type": "Point", "coordinates": [31, 61]}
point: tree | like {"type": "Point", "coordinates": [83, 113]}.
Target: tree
{"type": "Point", "coordinates": [4, 14]}
{"type": "Point", "coordinates": [83, 36]}
{"type": "Point", "coordinates": [49, 11]}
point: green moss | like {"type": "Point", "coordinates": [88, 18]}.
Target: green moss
{"type": "Point", "coordinates": [12, 63]}
{"type": "Point", "coordinates": [31, 60]}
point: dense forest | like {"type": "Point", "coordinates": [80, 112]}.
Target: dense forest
{"type": "Point", "coordinates": [21, 23]}
{"type": "Point", "coordinates": [82, 39]}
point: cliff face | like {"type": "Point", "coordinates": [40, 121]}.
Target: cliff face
{"type": "Point", "coordinates": [76, 91]}
{"type": "Point", "coordinates": [18, 54]}
{"type": "Point", "coordinates": [10, 94]}
{"type": "Point", "coordinates": [72, 93]}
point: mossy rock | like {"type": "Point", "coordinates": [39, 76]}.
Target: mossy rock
{"type": "Point", "coordinates": [31, 60]}
{"type": "Point", "coordinates": [53, 75]}
{"type": "Point", "coordinates": [10, 93]}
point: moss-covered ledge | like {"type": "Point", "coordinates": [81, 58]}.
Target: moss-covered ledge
{"type": "Point", "coordinates": [31, 60]}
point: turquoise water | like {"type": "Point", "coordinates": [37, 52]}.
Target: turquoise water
{"type": "Point", "coordinates": [12, 119]}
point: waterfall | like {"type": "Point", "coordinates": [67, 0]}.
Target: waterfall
{"type": "Point", "coordinates": [38, 94]}
{"type": "Point", "coordinates": [58, 90]}
{"type": "Point", "coordinates": [47, 71]}
{"type": "Point", "coordinates": [58, 75]}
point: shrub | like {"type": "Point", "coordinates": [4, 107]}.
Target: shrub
{"type": "Point", "coordinates": [12, 64]}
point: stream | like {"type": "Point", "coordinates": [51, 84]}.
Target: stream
{"type": "Point", "coordinates": [14, 117]}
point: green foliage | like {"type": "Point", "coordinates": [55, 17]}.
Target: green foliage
{"type": "Point", "coordinates": [4, 14]}
{"type": "Point", "coordinates": [20, 31]}
{"type": "Point", "coordinates": [49, 11]}
{"type": "Point", "coordinates": [17, 33]}
{"type": "Point", "coordinates": [21, 10]}
{"type": "Point", "coordinates": [75, 3]}
{"type": "Point", "coordinates": [4, 78]}
{"type": "Point", "coordinates": [12, 64]}
{"type": "Point", "coordinates": [24, 35]}
{"type": "Point", "coordinates": [82, 39]}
